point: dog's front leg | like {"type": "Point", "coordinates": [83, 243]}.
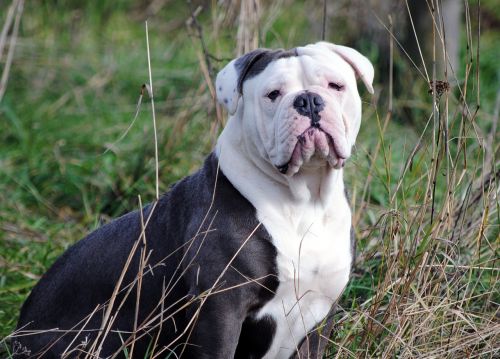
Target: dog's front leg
{"type": "Point", "coordinates": [216, 329]}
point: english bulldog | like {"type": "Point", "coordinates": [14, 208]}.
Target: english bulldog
{"type": "Point", "coordinates": [245, 258]}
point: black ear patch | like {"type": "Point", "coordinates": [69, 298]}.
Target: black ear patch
{"type": "Point", "coordinates": [253, 63]}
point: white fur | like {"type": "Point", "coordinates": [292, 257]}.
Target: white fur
{"type": "Point", "coordinates": [305, 211]}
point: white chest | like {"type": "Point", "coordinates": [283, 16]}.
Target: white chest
{"type": "Point", "coordinates": [314, 260]}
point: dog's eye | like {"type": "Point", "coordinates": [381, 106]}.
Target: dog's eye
{"type": "Point", "coordinates": [273, 95]}
{"type": "Point", "coordinates": [335, 86]}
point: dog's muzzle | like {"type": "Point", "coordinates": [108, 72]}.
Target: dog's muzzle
{"type": "Point", "coordinates": [315, 140]}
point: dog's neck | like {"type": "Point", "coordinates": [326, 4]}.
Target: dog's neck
{"type": "Point", "coordinates": [267, 189]}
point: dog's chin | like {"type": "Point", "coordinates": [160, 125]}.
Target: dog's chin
{"type": "Point", "coordinates": [314, 149]}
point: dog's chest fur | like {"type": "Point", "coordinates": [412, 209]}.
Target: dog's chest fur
{"type": "Point", "coordinates": [313, 262]}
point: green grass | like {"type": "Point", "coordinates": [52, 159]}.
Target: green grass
{"type": "Point", "coordinates": [74, 85]}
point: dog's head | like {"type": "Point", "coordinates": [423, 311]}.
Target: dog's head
{"type": "Point", "coordinates": [298, 108]}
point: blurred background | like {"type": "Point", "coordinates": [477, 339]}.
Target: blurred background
{"type": "Point", "coordinates": [423, 179]}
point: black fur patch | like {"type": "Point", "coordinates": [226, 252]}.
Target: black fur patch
{"type": "Point", "coordinates": [187, 255]}
{"type": "Point", "coordinates": [256, 337]}
{"type": "Point", "coordinates": [253, 63]}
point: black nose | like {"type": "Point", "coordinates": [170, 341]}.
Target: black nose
{"type": "Point", "coordinates": [309, 104]}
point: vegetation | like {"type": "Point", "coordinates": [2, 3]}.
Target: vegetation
{"type": "Point", "coordinates": [424, 191]}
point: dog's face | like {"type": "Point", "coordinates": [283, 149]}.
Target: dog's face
{"type": "Point", "coordinates": [299, 108]}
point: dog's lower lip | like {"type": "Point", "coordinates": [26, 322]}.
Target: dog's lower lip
{"type": "Point", "coordinates": [340, 163]}
{"type": "Point", "coordinates": [330, 138]}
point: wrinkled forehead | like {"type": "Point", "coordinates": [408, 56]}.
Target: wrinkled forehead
{"type": "Point", "coordinates": [302, 64]}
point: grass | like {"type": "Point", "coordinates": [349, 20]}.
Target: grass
{"type": "Point", "coordinates": [424, 194]}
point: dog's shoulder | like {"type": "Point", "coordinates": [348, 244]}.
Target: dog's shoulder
{"type": "Point", "coordinates": [222, 225]}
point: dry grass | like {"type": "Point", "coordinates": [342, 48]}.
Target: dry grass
{"type": "Point", "coordinates": [436, 292]}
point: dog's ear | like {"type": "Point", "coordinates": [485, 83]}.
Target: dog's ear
{"type": "Point", "coordinates": [361, 65]}
{"type": "Point", "coordinates": [229, 81]}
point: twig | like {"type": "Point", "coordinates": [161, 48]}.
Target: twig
{"type": "Point", "coordinates": [323, 33]}
{"type": "Point", "coordinates": [7, 25]}
{"type": "Point", "coordinates": [12, 45]}
{"type": "Point", "coordinates": [206, 67]}
{"type": "Point", "coordinates": [416, 39]}
{"type": "Point", "coordinates": [435, 112]}
{"type": "Point", "coordinates": [137, 109]}
{"type": "Point", "coordinates": [400, 45]}
{"type": "Point", "coordinates": [151, 94]}
{"type": "Point", "coordinates": [140, 275]}
{"type": "Point", "coordinates": [490, 140]}
{"type": "Point", "coordinates": [199, 30]}
{"type": "Point", "coordinates": [391, 66]}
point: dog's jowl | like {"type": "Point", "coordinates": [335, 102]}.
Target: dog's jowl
{"type": "Point", "coordinates": [245, 257]}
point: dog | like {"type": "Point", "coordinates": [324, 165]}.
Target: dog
{"type": "Point", "coordinates": [245, 258]}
